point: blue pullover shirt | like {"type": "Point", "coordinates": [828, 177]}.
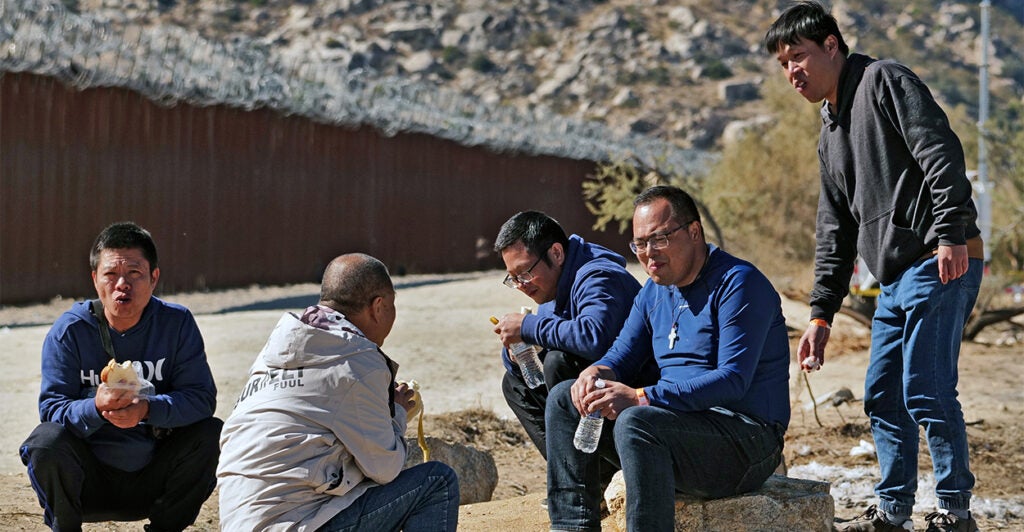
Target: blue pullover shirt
{"type": "Point", "coordinates": [593, 298]}
{"type": "Point", "coordinates": [732, 349]}
{"type": "Point", "coordinates": [170, 347]}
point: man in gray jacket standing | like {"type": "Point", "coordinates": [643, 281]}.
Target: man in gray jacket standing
{"type": "Point", "coordinates": [316, 439]}
{"type": "Point", "coordinates": [893, 189]}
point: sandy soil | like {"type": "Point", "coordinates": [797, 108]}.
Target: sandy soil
{"type": "Point", "coordinates": [443, 340]}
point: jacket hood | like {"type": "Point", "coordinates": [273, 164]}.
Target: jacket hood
{"type": "Point", "coordinates": [849, 79]}
{"type": "Point", "coordinates": [581, 252]}
{"type": "Point", "coordinates": [294, 344]}
{"type": "Point", "coordinates": [580, 258]}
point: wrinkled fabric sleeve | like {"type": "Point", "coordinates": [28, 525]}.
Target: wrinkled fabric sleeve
{"type": "Point", "coordinates": [60, 390]}
{"type": "Point", "coordinates": [191, 395]}
{"type": "Point", "coordinates": [365, 426]}
{"type": "Point", "coordinates": [602, 300]}
{"type": "Point", "coordinates": [632, 347]}
{"type": "Point", "coordinates": [908, 104]}
{"type": "Point", "coordinates": [835, 247]}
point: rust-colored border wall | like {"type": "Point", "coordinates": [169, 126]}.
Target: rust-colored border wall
{"type": "Point", "coordinates": [237, 197]}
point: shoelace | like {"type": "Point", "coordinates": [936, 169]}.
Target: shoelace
{"type": "Point", "coordinates": [868, 514]}
{"type": "Point", "coordinates": [941, 519]}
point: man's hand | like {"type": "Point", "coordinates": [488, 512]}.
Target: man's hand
{"type": "Point", "coordinates": [404, 396]}
{"type": "Point", "coordinates": [108, 398]}
{"type": "Point", "coordinates": [510, 329]}
{"type": "Point", "coordinates": [585, 392]}
{"type": "Point", "coordinates": [953, 262]}
{"type": "Point", "coordinates": [612, 399]}
{"type": "Point", "coordinates": [129, 416]}
{"type": "Point", "coordinates": [811, 352]}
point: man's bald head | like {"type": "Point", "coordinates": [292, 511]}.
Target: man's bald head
{"type": "Point", "coordinates": [352, 281]}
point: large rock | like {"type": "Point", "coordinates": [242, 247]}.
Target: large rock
{"type": "Point", "coordinates": [478, 475]}
{"type": "Point", "coordinates": [782, 504]}
{"type": "Point", "coordinates": [735, 92]}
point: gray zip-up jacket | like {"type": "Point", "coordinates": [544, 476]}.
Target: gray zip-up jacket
{"type": "Point", "coordinates": [313, 428]}
{"type": "Point", "coordinates": [893, 180]}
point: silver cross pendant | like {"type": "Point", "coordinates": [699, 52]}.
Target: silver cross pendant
{"type": "Point", "coordinates": [672, 337]}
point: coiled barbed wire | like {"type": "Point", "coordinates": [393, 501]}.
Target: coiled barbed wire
{"type": "Point", "coordinates": [169, 64]}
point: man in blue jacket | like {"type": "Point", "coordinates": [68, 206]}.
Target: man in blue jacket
{"type": "Point", "coordinates": [712, 422]}
{"type": "Point", "coordinates": [893, 190]}
{"type": "Point", "coordinates": [583, 293]}
{"type": "Point", "coordinates": [145, 448]}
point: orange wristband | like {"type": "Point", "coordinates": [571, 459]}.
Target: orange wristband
{"type": "Point", "coordinates": [641, 396]}
{"type": "Point", "coordinates": [821, 323]}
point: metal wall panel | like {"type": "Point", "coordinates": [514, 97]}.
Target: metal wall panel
{"type": "Point", "coordinates": [237, 197]}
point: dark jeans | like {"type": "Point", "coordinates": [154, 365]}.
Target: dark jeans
{"type": "Point", "coordinates": [424, 497]}
{"type": "Point", "coordinates": [527, 404]}
{"type": "Point", "coordinates": [704, 454]}
{"type": "Point", "coordinates": [73, 486]}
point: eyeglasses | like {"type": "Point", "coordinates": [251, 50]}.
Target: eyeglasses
{"type": "Point", "coordinates": [515, 281]}
{"type": "Point", "coordinates": [655, 241]}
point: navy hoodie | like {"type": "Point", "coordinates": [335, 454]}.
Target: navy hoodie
{"type": "Point", "coordinates": [593, 298]}
{"type": "Point", "coordinates": [170, 347]}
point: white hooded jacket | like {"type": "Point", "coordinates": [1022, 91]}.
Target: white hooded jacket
{"type": "Point", "coordinates": [313, 428]}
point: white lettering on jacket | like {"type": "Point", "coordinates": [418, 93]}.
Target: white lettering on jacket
{"type": "Point", "coordinates": [151, 371]}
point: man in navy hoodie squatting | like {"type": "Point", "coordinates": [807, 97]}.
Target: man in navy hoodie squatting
{"type": "Point", "coordinates": [583, 293]}
{"type": "Point", "coordinates": [107, 454]}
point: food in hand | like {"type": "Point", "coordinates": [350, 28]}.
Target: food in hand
{"type": "Point", "coordinates": [120, 375]}
{"type": "Point", "coordinates": [417, 410]}
{"type": "Point", "coordinates": [417, 402]}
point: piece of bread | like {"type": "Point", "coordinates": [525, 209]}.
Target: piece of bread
{"type": "Point", "coordinates": [417, 401]}
{"type": "Point", "coordinates": [119, 375]}
{"type": "Point", "coordinates": [417, 410]}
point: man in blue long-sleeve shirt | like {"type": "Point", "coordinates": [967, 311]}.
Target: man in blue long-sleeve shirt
{"type": "Point", "coordinates": [123, 452]}
{"type": "Point", "coordinates": [712, 424]}
{"type": "Point", "coordinates": [583, 293]}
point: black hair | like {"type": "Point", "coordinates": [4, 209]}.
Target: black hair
{"type": "Point", "coordinates": [536, 230]}
{"type": "Point", "coordinates": [804, 20]}
{"type": "Point", "coordinates": [124, 235]}
{"type": "Point", "coordinates": [684, 208]}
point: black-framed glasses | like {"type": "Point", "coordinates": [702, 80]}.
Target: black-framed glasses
{"type": "Point", "coordinates": [515, 281]}
{"type": "Point", "coordinates": [655, 241]}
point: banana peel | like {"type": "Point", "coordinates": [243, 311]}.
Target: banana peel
{"type": "Point", "coordinates": [417, 411]}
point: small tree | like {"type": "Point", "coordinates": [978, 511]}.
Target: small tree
{"type": "Point", "coordinates": [609, 194]}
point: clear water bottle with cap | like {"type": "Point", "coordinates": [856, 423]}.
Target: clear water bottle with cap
{"type": "Point", "coordinates": [588, 433]}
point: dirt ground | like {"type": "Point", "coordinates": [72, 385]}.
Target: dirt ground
{"type": "Point", "coordinates": [442, 339]}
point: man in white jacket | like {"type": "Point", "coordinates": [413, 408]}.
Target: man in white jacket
{"type": "Point", "coordinates": [315, 441]}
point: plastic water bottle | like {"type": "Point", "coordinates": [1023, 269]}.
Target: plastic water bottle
{"type": "Point", "coordinates": [526, 357]}
{"type": "Point", "coordinates": [588, 433]}
{"type": "Point", "coordinates": [529, 364]}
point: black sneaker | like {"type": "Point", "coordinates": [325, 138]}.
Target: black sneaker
{"type": "Point", "coordinates": [872, 520]}
{"type": "Point", "coordinates": [946, 522]}
{"type": "Point", "coordinates": [544, 503]}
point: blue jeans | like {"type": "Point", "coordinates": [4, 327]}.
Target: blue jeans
{"type": "Point", "coordinates": [705, 454]}
{"type": "Point", "coordinates": [911, 380]}
{"type": "Point", "coordinates": [424, 497]}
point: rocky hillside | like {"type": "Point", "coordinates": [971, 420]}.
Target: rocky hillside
{"type": "Point", "coordinates": [680, 70]}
